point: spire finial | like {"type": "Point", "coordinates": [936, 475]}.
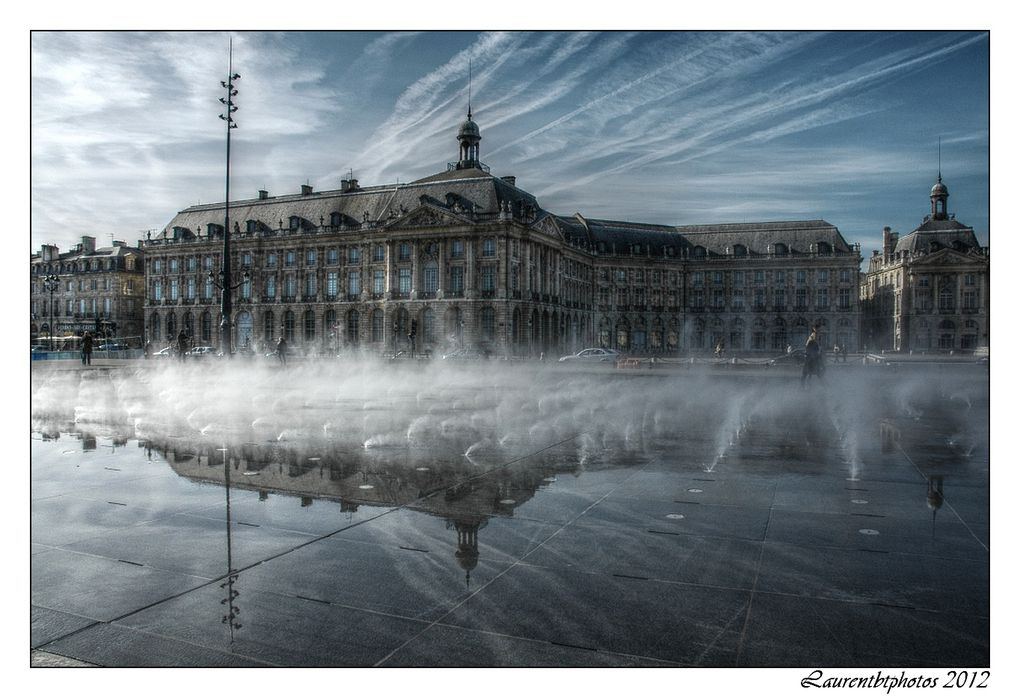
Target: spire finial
{"type": "Point", "coordinates": [940, 158]}
{"type": "Point", "coordinates": [469, 88]}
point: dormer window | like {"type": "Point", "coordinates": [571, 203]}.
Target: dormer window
{"type": "Point", "coordinates": [295, 222]}
{"type": "Point", "coordinates": [336, 219]}
{"type": "Point", "coordinates": [782, 249]}
{"type": "Point", "coordinates": [698, 252]}
{"type": "Point", "coordinates": [824, 248]}
{"type": "Point", "coordinates": [739, 251]}
{"type": "Point", "coordinates": [251, 226]}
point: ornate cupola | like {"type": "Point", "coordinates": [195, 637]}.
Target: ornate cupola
{"type": "Point", "coordinates": [469, 137]}
{"type": "Point", "coordinates": [939, 198]}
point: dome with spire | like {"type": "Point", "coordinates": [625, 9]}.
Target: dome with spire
{"type": "Point", "coordinates": [939, 189]}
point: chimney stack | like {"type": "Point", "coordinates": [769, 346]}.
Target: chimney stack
{"type": "Point", "coordinates": [263, 194]}
{"type": "Point", "coordinates": [306, 189]}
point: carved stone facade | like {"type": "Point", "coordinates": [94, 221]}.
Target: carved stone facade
{"type": "Point", "coordinates": [96, 290]}
{"type": "Point", "coordinates": [464, 259]}
{"type": "Point", "coordinates": [928, 291]}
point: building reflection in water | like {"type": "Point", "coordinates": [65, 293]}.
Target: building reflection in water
{"type": "Point", "coordinates": [446, 486]}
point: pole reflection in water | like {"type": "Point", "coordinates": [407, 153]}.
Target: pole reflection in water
{"type": "Point", "coordinates": [232, 611]}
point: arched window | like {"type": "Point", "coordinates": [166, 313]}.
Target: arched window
{"type": "Point", "coordinates": [335, 219]}
{"type": "Point", "coordinates": [377, 326]}
{"type": "Point", "coordinates": [488, 323]}
{"type": "Point", "coordinates": [698, 252]}
{"type": "Point", "coordinates": [268, 327]}
{"type": "Point", "coordinates": [353, 327]}
{"type": "Point", "coordinates": [171, 326]}
{"type": "Point", "coordinates": [206, 327]}
{"type": "Point", "coordinates": [428, 321]}
{"type": "Point", "coordinates": [309, 324]}
{"type": "Point", "coordinates": [288, 326]}
{"type": "Point", "coordinates": [154, 327]}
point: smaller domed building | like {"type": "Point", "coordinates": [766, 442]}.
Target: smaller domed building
{"type": "Point", "coordinates": [928, 290]}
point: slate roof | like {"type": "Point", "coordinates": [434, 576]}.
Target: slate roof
{"type": "Point", "coordinates": [484, 194]}
{"type": "Point", "coordinates": [943, 232]}
{"type": "Point", "coordinates": [471, 189]}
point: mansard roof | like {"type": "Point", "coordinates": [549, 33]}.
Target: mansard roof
{"type": "Point", "coordinates": [471, 191]}
{"type": "Point", "coordinates": [717, 239]}
{"type": "Point", "coordinates": [935, 234]}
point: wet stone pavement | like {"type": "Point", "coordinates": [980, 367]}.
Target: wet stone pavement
{"type": "Point", "coordinates": [560, 519]}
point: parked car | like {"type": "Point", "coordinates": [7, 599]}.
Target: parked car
{"type": "Point", "coordinates": [593, 354]}
{"type": "Point", "coordinates": [114, 347]}
{"type": "Point", "coordinates": [465, 355]}
{"type": "Point", "coordinates": [201, 351]}
{"type": "Point", "coordinates": [39, 347]}
{"type": "Point", "coordinates": [794, 357]}
{"type": "Point", "coordinates": [165, 353]}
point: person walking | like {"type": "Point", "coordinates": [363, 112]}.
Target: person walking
{"type": "Point", "coordinates": [281, 350]}
{"type": "Point", "coordinates": [812, 357]}
{"type": "Point", "coordinates": [86, 349]}
{"type": "Point", "coordinates": [182, 344]}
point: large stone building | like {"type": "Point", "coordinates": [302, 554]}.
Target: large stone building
{"type": "Point", "coordinates": [93, 290]}
{"type": "Point", "coordinates": [928, 290]}
{"type": "Point", "coordinates": [463, 258]}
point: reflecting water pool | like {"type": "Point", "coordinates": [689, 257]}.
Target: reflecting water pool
{"type": "Point", "coordinates": [318, 516]}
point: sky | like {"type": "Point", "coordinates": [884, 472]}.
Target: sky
{"type": "Point", "coordinates": [667, 127]}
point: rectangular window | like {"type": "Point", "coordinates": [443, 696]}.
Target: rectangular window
{"type": "Point", "coordinates": [718, 299]}
{"type": "Point", "coordinates": [69, 308]}
{"type": "Point", "coordinates": [970, 300]}
{"type": "Point", "coordinates": [759, 276]}
{"type": "Point", "coordinates": [354, 282]}
{"type": "Point", "coordinates": [378, 253]}
{"type": "Point", "coordinates": [246, 289]}
{"type": "Point", "coordinates": [404, 281]}
{"type": "Point", "coordinates": [801, 298]}
{"type": "Point", "coordinates": [823, 276]}
{"type": "Point", "coordinates": [107, 306]}
{"type": "Point", "coordinates": [192, 264]}
{"type": "Point", "coordinates": [801, 276]}
{"type": "Point", "coordinates": [173, 265]}
{"type": "Point", "coordinates": [759, 299]}
{"type": "Point", "coordinates": [207, 264]}
{"type": "Point", "coordinates": [270, 260]}
{"type": "Point", "coordinates": [289, 258]}
{"type": "Point", "coordinates": [780, 277]}
{"type": "Point", "coordinates": [271, 286]}
{"type": "Point", "coordinates": [738, 299]}
{"type": "Point", "coordinates": [332, 284]}
{"type": "Point", "coordinates": [378, 281]}
{"type": "Point", "coordinates": [431, 278]}
{"type": "Point", "coordinates": [246, 260]}
{"type": "Point", "coordinates": [717, 277]}
{"type": "Point", "coordinates": [844, 276]}
{"type": "Point", "coordinates": [157, 266]}
{"type": "Point", "coordinates": [488, 278]}
{"type": "Point", "coordinates": [968, 279]}
{"type": "Point", "coordinates": [457, 280]}
{"type": "Point", "coordinates": [822, 299]}
{"type": "Point", "coordinates": [332, 255]}
{"type": "Point", "coordinates": [780, 298]}
{"type": "Point", "coordinates": [698, 278]}
{"type": "Point", "coordinates": [698, 299]}
{"type": "Point", "coordinates": [289, 286]}
{"type": "Point", "coordinates": [489, 247]}
{"type": "Point", "coordinates": [738, 278]}
{"type": "Point", "coordinates": [157, 290]}
{"type": "Point", "coordinates": [310, 258]}
{"type": "Point", "coordinates": [404, 251]}
{"type": "Point", "coordinates": [189, 288]}
{"type": "Point", "coordinates": [457, 248]}
{"type": "Point", "coordinates": [207, 292]}
{"type": "Point", "coordinates": [844, 299]}
{"type": "Point", "coordinates": [310, 285]}
{"type": "Point", "coordinates": [173, 289]}
{"type": "Point", "coordinates": [354, 255]}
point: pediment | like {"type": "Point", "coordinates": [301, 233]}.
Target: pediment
{"type": "Point", "coordinates": [428, 216]}
{"type": "Point", "coordinates": [946, 257]}
{"type": "Point", "coordinates": [547, 224]}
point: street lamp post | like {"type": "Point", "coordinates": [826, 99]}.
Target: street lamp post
{"type": "Point", "coordinates": [225, 287]}
{"type": "Point", "coordinates": [51, 283]}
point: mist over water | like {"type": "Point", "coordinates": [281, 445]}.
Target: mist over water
{"type": "Point", "coordinates": [492, 413]}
